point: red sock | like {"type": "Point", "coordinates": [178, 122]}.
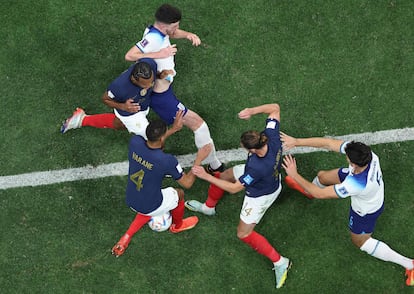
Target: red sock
{"type": "Point", "coordinates": [214, 193]}
{"type": "Point", "coordinates": [137, 224]}
{"type": "Point", "coordinates": [294, 185]}
{"type": "Point", "coordinates": [100, 121]}
{"type": "Point", "coordinates": [178, 214]}
{"type": "Point", "coordinates": [262, 246]}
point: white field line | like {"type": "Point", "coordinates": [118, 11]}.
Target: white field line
{"type": "Point", "coordinates": [121, 168]}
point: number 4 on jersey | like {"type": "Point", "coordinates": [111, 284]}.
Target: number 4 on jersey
{"type": "Point", "coordinates": [137, 178]}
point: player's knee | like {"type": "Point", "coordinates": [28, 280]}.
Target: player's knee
{"type": "Point", "coordinates": [193, 121]}
{"type": "Point", "coordinates": [244, 230]}
{"type": "Point", "coordinates": [118, 125]}
{"type": "Point", "coordinates": [241, 234]}
{"type": "Point", "coordinates": [180, 193]}
{"type": "Point", "coordinates": [228, 175]}
{"type": "Point", "coordinates": [360, 239]}
{"type": "Point", "coordinates": [323, 178]}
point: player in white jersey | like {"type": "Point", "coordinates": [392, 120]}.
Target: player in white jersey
{"type": "Point", "coordinates": [156, 44]}
{"type": "Point", "coordinates": [361, 181]}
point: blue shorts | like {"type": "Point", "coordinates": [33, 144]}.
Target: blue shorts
{"type": "Point", "coordinates": [363, 224]}
{"type": "Point", "coordinates": [166, 105]}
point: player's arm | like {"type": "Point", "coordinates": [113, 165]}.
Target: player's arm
{"type": "Point", "coordinates": [231, 187]}
{"type": "Point", "coordinates": [188, 179]}
{"type": "Point", "coordinates": [289, 164]}
{"type": "Point", "coordinates": [128, 105]}
{"type": "Point", "coordinates": [272, 110]}
{"type": "Point", "coordinates": [290, 142]}
{"type": "Point", "coordinates": [135, 53]}
{"type": "Point", "coordinates": [181, 34]}
{"type": "Point", "coordinates": [177, 125]}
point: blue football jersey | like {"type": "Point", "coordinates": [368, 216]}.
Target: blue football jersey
{"type": "Point", "coordinates": [147, 169]}
{"type": "Point", "coordinates": [122, 89]}
{"type": "Point", "coordinates": [261, 174]}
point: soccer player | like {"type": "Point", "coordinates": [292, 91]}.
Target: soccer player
{"type": "Point", "coordinates": [361, 181]}
{"type": "Point", "coordinates": [129, 95]}
{"type": "Point", "coordinates": [148, 165]}
{"type": "Point", "coordinates": [156, 44]}
{"type": "Point", "coordinates": [260, 177]}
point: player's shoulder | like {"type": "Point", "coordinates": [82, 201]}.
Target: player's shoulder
{"type": "Point", "coordinates": [150, 41]}
{"type": "Point", "coordinates": [137, 140]}
{"type": "Point", "coordinates": [167, 158]}
{"type": "Point", "coordinates": [272, 127]}
{"type": "Point", "coordinates": [272, 123]}
{"type": "Point", "coordinates": [153, 33]}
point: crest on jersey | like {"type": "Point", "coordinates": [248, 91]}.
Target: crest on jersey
{"type": "Point", "coordinates": [143, 92]}
{"type": "Point", "coordinates": [248, 179]}
{"type": "Point", "coordinates": [144, 43]}
{"type": "Point", "coordinates": [343, 191]}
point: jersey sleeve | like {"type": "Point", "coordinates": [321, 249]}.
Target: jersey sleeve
{"type": "Point", "coordinates": [249, 177]}
{"type": "Point", "coordinates": [349, 187]}
{"type": "Point", "coordinates": [175, 170]}
{"type": "Point", "coordinates": [113, 92]}
{"type": "Point", "coordinates": [151, 42]}
{"type": "Point", "coordinates": [272, 127]}
{"type": "Point", "coordinates": [343, 146]}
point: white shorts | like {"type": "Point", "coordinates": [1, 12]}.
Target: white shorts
{"type": "Point", "coordinates": [169, 201]}
{"type": "Point", "coordinates": [254, 208]}
{"type": "Point", "coordinates": [136, 123]}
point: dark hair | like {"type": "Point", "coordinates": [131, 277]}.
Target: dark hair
{"type": "Point", "coordinates": [155, 130]}
{"type": "Point", "coordinates": [142, 70]}
{"type": "Point", "coordinates": [253, 140]}
{"type": "Point", "coordinates": [168, 14]}
{"type": "Point", "coordinates": [358, 153]}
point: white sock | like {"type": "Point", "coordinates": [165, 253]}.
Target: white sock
{"type": "Point", "coordinates": [281, 261]}
{"type": "Point", "coordinates": [382, 251]}
{"type": "Point", "coordinates": [206, 208]}
{"type": "Point", "coordinates": [317, 182]}
{"type": "Point", "coordinates": [202, 137]}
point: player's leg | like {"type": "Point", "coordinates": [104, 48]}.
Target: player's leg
{"type": "Point", "coordinates": [135, 226]}
{"type": "Point", "coordinates": [202, 137]}
{"type": "Point", "coordinates": [166, 105]}
{"type": "Point", "coordinates": [214, 193]}
{"type": "Point", "coordinates": [136, 123]}
{"type": "Point", "coordinates": [80, 119]}
{"type": "Point", "coordinates": [251, 213]}
{"type": "Point", "coordinates": [323, 179]}
{"type": "Point", "coordinates": [173, 201]}
{"type": "Point", "coordinates": [330, 177]}
{"type": "Point", "coordinates": [362, 228]}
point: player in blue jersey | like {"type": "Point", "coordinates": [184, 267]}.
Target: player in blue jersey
{"type": "Point", "coordinates": [148, 166]}
{"type": "Point", "coordinates": [156, 44]}
{"type": "Point", "coordinates": [130, 97]}
{"type": "Point", "coordinates": [361, 181]}
{"type": "Point", "coordinates": [260, 177]}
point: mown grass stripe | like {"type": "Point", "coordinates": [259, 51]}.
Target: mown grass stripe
{"type": "Point", "coordinates": [121, 168]}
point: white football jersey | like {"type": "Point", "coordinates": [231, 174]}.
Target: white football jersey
{"type": "Point", "coordinates": [365, 189]}
{"type": "Point", "coordinates": [153, 41]}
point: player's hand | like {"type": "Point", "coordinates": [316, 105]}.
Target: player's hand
{"type": "Point", "coordinates": [165, 73]}
{"type": "Point", "coordinates": [203, 152]}
{"type": "Point", "coordinates": [289, 164]}
{"type": "Point", "coordinates": [131, 106]}
{"type": "Point", "coordinates": [289, 142]}
{"type": "Point", "coordinates": [199, 172]}
{"type": "Point", "coordinates": [168, 51]}
{"type": "Point", "coordinates": [178, 121]}
{"type": "Point", "coordinates": [195, 40]}
{"type": "Point", "coordinates": [245, 113]}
